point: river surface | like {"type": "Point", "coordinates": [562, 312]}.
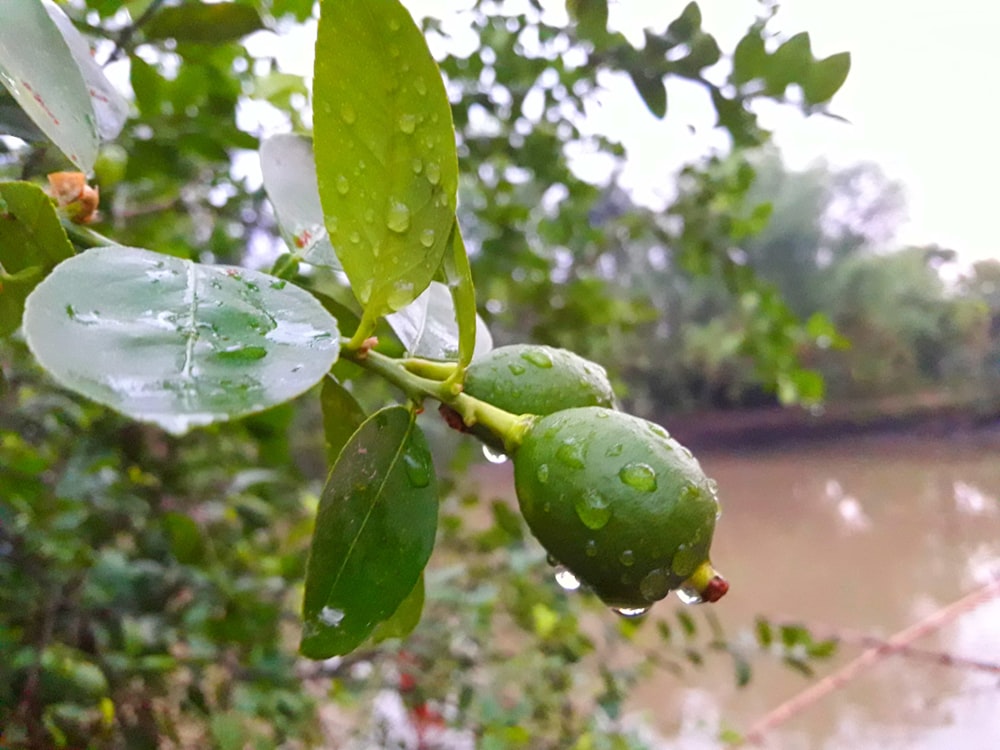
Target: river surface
{"type": "Point", "coordinates": [863, 535]}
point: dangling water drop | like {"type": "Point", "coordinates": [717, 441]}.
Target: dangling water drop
{"type": "Point", "coordinates": [655, 585]}
{"type": "Point", "coordinates": [689, 595]}
{"type": "Point", "coordinates": [630, 611]}
{"type": "Point", "coordinates": [494, 457]}
{"type": "Point", "coordinates": [566, 580]}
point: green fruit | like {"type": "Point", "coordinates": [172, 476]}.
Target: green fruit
{"type": "Point", "coordinates": [527, 379]}
{"type": "Point", "coordinates": [624, 507]}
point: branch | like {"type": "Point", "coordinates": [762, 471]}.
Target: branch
{"type": "Point", "coordinates": [125, 37]}
{"type": "Point", "coordinates": [897, 643]}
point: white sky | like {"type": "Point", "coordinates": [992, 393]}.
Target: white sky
{"type": "Point", "coordinates": [921, 99]}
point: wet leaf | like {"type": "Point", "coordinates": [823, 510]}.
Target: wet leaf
{"type": "Point", "coordinates": [342, 416]}
{"type": "Point", "coordinates": [49, 87]}
{"type": "Point", "coordinates": [385, 151]}
{"type": "Point", "coordinates": [32, 242]}
{"type": "Point", "coordinates": [374, 533]}
{"type": "Point", "coordinates": [289, 170]}
{"type": "Point", "coordinates": [405, 618]}
{"type": "Point", "coordinates": [181, 344]}
{"type": "Point", "coordinates": [203, 23]}
{"type": "Point", "coordinates": [427, 327]}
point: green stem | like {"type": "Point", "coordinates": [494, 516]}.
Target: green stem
{"type": "Point", "coordinates": [429, 368]}
{"type": "Point", "coordinates": [286, 266]}
{"type": "Point", "coordinates": [87, 237]}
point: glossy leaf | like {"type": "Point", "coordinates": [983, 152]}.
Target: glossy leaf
{"type": "Point", "coordinates": [825, 77]}
{"type": "Point", "coordinates": [428, 328]}
{"type": "Point", "coordinates": [32, 242]}
{"type": "Point", "coordinates": [405, 618]}
{"type": "Point", "coordinates": [181, 344]}
{"type": "Point", "coordinates": [203, 23]}
{"type": "Point", "coordinates": [289, 170]}
{"type": "Point", "coordinates": [109, 106]}
{"type": "Point", "coordinates": [385, 151]}
{"type": "Point", "coordinates": [374, 533]}
{"type": "Point", "coordinates": [342, 415]}
{"type": "Point", "coordinates": [49, 86]}
{"type": "Point", "coordinates": [457, 274]}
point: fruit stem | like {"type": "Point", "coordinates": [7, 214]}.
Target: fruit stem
{"type": "Point", "coordinates": [708, 582]}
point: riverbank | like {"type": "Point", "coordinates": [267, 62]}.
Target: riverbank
{"type": "Point", "coordinates": [938, 414]}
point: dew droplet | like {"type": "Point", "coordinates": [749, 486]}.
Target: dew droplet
{"type": "Point", "coordinates": [590, 548]}
{"type": "Point", "coordinates": [592, 508]}
{"type": "Point", "coordinates": [401, 295]}
{"type": "Point", "coordinates": [689, 595]}
{"type": "Point", "coordinates": [543, 473]}
{"type": "Point", "coordinates": [369, 215]}
{"type": "Point", "coordinates": [657, 430]}
{"type": "Point", "coordinates": [686, 560]}
{"type": "Point", "coordinates": [655, 585]}
{"type": "Point", "coordinates": [417, 470]}
{"type": "Point", "coordinates": [433, 173]}
{"type": "Point", "coordinates": [331, 617]}
{"type": "Point", "coordinates": [420, 86]}
{"type": "Point", "coordinates": [347, 113]}
{"type": "Point", "coordinates": [494, 457]}
{"type": "Point", "coordinates": [571, 454]}
{"type": "Point", "coordinates": [630, 611]}
{"type": "Point", "coordinates": [343, 186]}
{"type": "Point", "coordinates": [355, 238]}
{"type": "Point", "coordinates": [279, 284]}
{"type": "Point", "coordinates": [566, 580]}
{"type": "Point", "coordinates": [407, 123]}
{"type": "Point", "coordinates": [515, 369]}
{"type": "Point", "coordinates": [393, 24]}
{"type": "Point", "coordinates": [417, 165]}
{"type": "Point", "coordinates": [398, 216]}
{"type": "Point", "coordinates": [614, 450]}
{"type": "Point", "coordinates": [427, 237]}
{"type": "Point", "coordinates": [539, 358]}
{"type": "Point", "coordinates": [639, 476]}
{"type": "Point", "coordinates": [627, 558]}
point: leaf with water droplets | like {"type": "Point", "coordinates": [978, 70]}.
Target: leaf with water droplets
{"type": "Point", "coordinates": [342, 415]}
{"type": "Point", "coordinates": [38, 68]}
{"type": "Point", "coordinates": [427, 327]}
{"type": "Point", "coordinates": [181, 344]}
{"type": "Point", "coordinates": [374, 533]}
{"type": "Point", "coordinates": [32, 243]}
{"type": "Point", "coordinates": [288, 167]}
{"type": "Point", "coordinates": [385, 150]}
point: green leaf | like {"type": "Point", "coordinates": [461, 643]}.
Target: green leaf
{"type": "Point", "coordinates": [765, 637]}
{"type": "Point", "coordinates": [32, 243]}
{"type": "Point", "coordinates": [652, 90]}
{"type": "Point", "coordinates": [374, 533]}
{"type": "Point", "coordinates": [203, 23]}
{"type": "Point", "coordinates": [289, 170]}
{"type": "Point", "coordinates": [749, 58]}
{"type": "Point", "coordinates": [684, 27]}
{"type": "Point", "coordinates": [790, 63]}
{"type": "Point", "coordinates": [405, 618]}
{"type": "Point", "coordinates": [457, 274]}
{"type": "Point", "coordinates": [591, 17]}
{"type": "Point", "coordinates": [181, 344]}
{"type": "Point", "coordinates": [825, 77]}
{"type": "Point", "coordinates": [186, 542]}
{"type": "Point", "coordinates": [385, 151]}
{"type": "Point", "coordinates": [49, 86]}
{"type": "Point", "coordinates": [427, 327]}
{"type": "Point", "coordinates": [342, 416]}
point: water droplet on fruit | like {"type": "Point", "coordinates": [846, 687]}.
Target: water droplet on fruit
{"type": "Point", "coordinates": [566, 580]}
{"type": "Point", "coordinates": [398, 216]}
{"type": "Point", "coordinates": [638, 476]}
{"type": "Point", "coordinates": [427, 237]}
{"type": "Point", "coordinates": [655, 585]}
{"type": "Point", "coordinates": [592, 508]}
{"type": "Point", "coordinates": [433, 173]}
{"type": "Point", "coordinates": [347, 113]}
{"type": "Point", "coordinates": [590, 548]}
{"type": "Point", "coordinates": [515, 369]}
{"type": "Point", "coordinates": [614, 450]}
{"type": "Point", "coordinates": [407, 123]}
{"type": "Point", "coordinates": [657, 430]}
{"type": "Point", "coordinates": [343, 186]}
{"type": "Point", "coordinates": [689, 595]}
{"type": "Point", "coordinates": [494, 457]}
{"type": "Point", "coordinates": [571, 454]}
{"type": "Point", "coordinates": [417, 470]}
{"type": "Point", "coordinates": [279, 284]}
{"type": "Point", "coordinates": [627, 558]}
{"type": "Point", "coordinates": [686, 559]}
{"type": "Point", "coordinates": [538, 358]}
{"type": "Point", "coordinates": [417, 165]}
{"type": "Point", "coordinates": [630, 611]}
{"type": "Point", "coordinates": [543, 473]}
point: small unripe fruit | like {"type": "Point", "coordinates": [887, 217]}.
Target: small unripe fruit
{"type": "Point", "coordinates": [624, 507]}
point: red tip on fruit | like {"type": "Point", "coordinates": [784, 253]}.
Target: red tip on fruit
{"type": "Point", "coordinates": [716, 589]}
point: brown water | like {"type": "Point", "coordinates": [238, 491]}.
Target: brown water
{"type": "Point", "coordinates": [864, 535]}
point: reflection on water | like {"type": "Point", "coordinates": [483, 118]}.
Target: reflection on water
{"type": "Point", "coordinates": [863, 535]}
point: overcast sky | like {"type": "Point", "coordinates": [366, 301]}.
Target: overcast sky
{"type": "Point", "coordinates": [921, 99]}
